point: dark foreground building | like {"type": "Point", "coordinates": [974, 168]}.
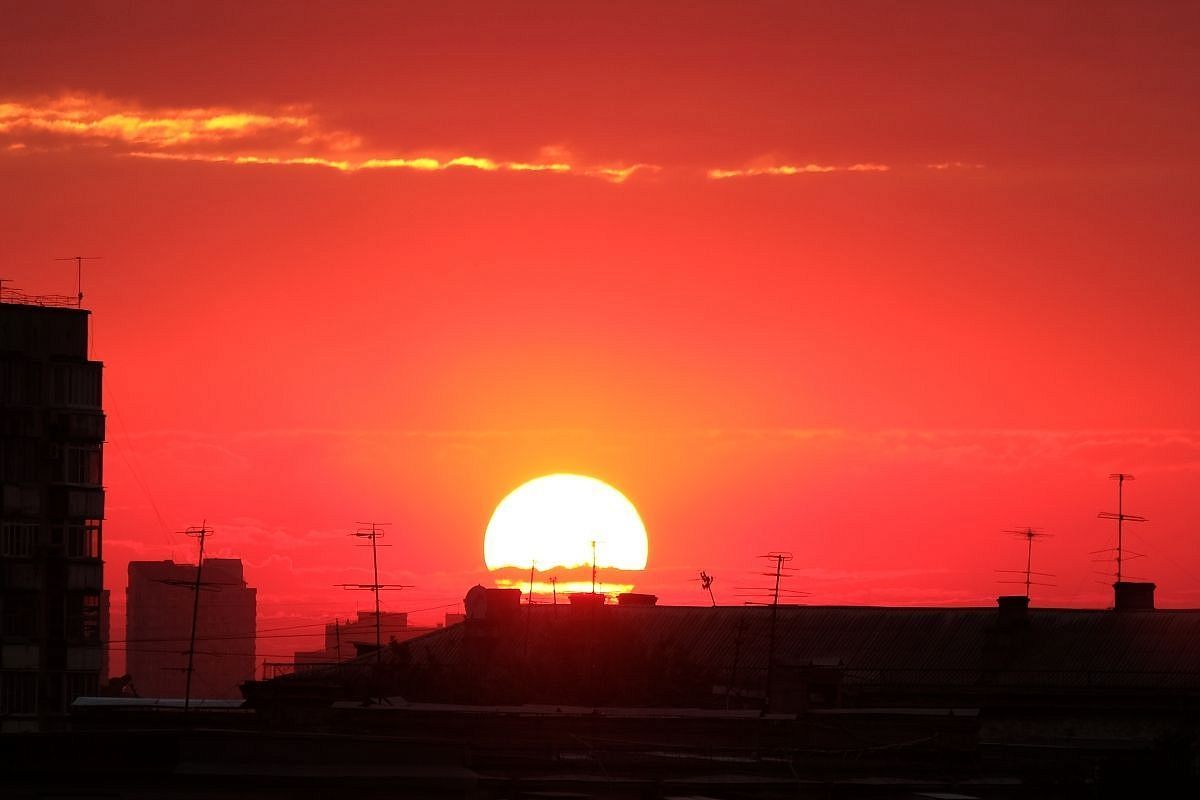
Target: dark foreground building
{"type": "Point", "coordinates": [52, 602]}
{"type": "Point", "coordinates": [158, 610]}
{"type": "Point", "coordinates": [637, 701]}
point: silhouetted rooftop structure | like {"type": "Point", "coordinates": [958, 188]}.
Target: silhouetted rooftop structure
{"type": "Point", "coordinates": [826, 656]}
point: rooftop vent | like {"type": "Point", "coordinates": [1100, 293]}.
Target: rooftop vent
{"type": "Point", "coordinates": [1133, 596]}
{"type": "Point", "coordinates": [635, 599]}
{"type": "Point", "coordinates": [587, 599]}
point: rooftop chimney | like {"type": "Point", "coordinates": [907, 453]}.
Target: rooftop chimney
{"type": "Point", "coordinates": [1133, 596]}
{"type": "Point", "coordinates": [1014, 609]}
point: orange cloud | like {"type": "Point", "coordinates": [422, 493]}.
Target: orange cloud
{"type": "Point", "coordinates": [944, 165]}
{"type": "Point", "coordinates": [287, 136]}
{"type": "Point", "coordinates": [790, 169]}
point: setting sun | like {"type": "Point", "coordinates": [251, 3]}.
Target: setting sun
{"type": "Point", "coordinates": [552, 521]}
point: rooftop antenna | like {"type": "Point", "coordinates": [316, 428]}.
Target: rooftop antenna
{"type": "Point", "coordinates": [706, 582]}
{"type": "Point", "coordinates": [532, 567]}
{"type": "Point", "coordinates": [1121, 517]}
{"type": "Point", "coordinates": [79, 274]}
{"type": "Point", "coordinates": [779, 558]}
{"type": "Point", "coordinates": [373, 532]}
{"type": "Point", "coordinates": [1029, 534]}
{"type": "Point", "coordinates": [593, 566]}
{"type": "Point", "coordinates": [2, 282]}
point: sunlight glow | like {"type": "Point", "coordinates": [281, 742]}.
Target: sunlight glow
{"type": "Point", "coordinates": [552, 521]}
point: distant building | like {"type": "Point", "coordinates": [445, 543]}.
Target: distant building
{"type": "Point", "coordinates": [158, 625]}
{"type": "Point", "coordinates": [52, 611]}
{"type": "Point", "coordinates": [348, 639]}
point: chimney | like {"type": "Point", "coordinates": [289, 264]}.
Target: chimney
{"type": "Point", "coordinates": [1133, 596]}
{"type": "Point", "coordinates": [635, 599]}
{"type": "Point", "coordinates": [1014, 610]}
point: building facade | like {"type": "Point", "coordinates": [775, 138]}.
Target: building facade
{"type": "Point", "coordinates": [51, 511]}
{"type": "Point", "coordinates": [159, 606]}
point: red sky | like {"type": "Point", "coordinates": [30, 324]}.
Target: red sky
{"type": "Point", "coordinates": [870, 282]}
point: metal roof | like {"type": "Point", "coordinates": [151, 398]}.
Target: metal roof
{"type": "Point", "coordinates": [1057, 647]}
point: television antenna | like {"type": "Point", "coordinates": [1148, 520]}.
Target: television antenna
{"type": "Point", "coordinates": [1029, 534]}
{"type": "Point", "coordinates": [1121, 517]}
{"type": "Point", "coordinates": [79, 274]}
{"type": "Point", "coordinates": [779, 558]}
{"type": "Point", "coordinates": [373, 532]}
{"type": "Point", "coordinates": [706, 582]}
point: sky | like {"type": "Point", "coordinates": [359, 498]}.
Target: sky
{"type": "Point", "coordinates": [869, 282]}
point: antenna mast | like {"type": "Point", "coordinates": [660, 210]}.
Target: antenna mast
{"type": "Point", "coordinates": [593, 566]}
{"type": "Point", "coordinates": [373, 534]}
{"type": "Point", "coordinates": [706, 582]}
{"type": "Point", "coordinates": [1029, 534]}
{"type": "Point", "coordinates": [779, 559]}
{"type": "Point", "coordinates": [79, 274]}
{"type": "Point", "coordinates": [1121, 517]}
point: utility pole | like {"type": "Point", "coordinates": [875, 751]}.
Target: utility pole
{"type": "Point", "coordinates": [79, 274]}
{"type": "Point", "coordinates": [201, 534]}
{"type": "Point", "coordinates": [1121, 517]}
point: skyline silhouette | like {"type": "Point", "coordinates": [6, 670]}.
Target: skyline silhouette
{"type": "Point", "coordinates": [867, 286]}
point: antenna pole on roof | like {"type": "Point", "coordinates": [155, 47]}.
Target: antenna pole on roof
{"type": "Point", "coordinates": [1028, 534]}
{"type": "Point", "coordinates": [593, 566]}
{"type": "Point", "coordinates": [373, 532]}
{"type": "Point", "coordinates": [79, 274]}
{"type": "Point", "coordinates": [706, 582]}
{"type": "Point", "coordinates": [780, 558]}
{"type": "Point", "coordinates": [1121, 517]}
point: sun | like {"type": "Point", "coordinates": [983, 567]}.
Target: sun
{"type": "Point", "coordinates": [553, 521]}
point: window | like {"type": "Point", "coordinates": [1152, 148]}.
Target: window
{"type": "Point", "coordinates": [18, 539]}
{"type": "Point", "coordinates": [75, 385]}
{"type": "Point", "coordinates": [19, 460]}
{"type": "Point", "coordinates": [82, 541]}
{"type": "Point", "coordinates": [77, 464]}
{"type": "Point", "coordinates": [20, 614]}
{"type": "Point", "coordinates": [83, 617]}
{"type": "Point", "coordinates": [18, 692]}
